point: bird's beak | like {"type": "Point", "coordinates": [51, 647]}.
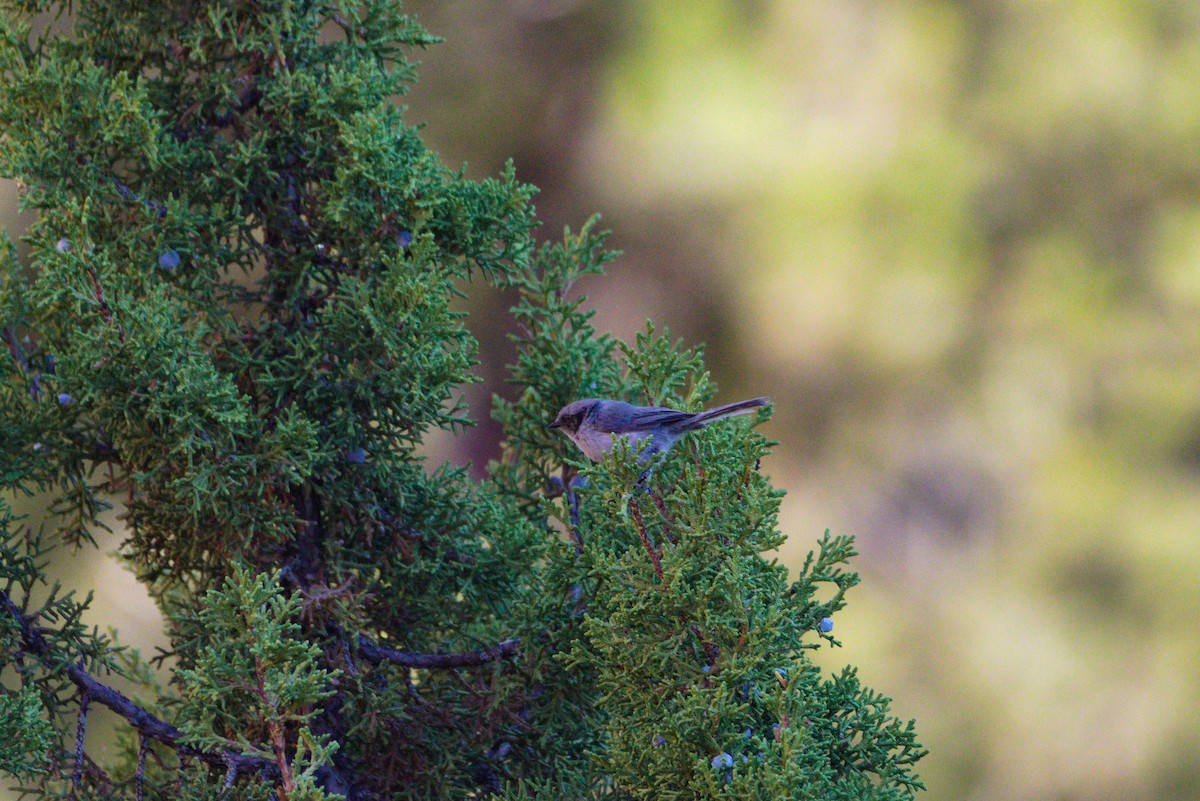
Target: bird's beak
{"type": "Point", "coordinates": [555, 424]}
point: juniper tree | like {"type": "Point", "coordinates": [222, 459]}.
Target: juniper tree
{"type": "Point", "coordinates": [233, 320]}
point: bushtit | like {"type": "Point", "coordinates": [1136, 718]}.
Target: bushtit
{"type": "Point", "coordinates": [592, 423]}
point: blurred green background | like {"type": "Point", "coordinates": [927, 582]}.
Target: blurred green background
{"type": "Point", "coordinates": [958, 244]}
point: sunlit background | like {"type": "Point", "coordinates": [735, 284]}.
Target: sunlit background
{"type": "Point", "coordinates": [958, 244]}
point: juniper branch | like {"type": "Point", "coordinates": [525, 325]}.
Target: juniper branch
{"type": "Point", "coordinates": [655, 560]}
{"type": "Point", "coordinates": [33, 641]}
{"type": "Point", "coordinates": [14, 347]}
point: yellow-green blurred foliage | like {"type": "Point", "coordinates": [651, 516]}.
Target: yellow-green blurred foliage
{"type": "Point", "coordinates": [959, 246]}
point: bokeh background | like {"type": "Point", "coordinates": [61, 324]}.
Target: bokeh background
{"type": "Point", "coordinates": [958, 244]}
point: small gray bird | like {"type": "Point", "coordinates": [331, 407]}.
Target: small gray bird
{"type": "Point", "coordinates": [592, 423]}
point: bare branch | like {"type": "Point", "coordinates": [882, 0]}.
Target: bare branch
{"type": "Point", "coordinates": [80, 731]}
{"type": "Point", "coordinates": [143, 747]}
{"type": "Point", "coordinates": [374, 652]}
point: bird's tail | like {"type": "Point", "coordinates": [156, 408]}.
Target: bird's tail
{"type": "Point", "coordinates": [728, 410]}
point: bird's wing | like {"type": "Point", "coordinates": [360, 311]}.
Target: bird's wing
{"type": "Point", "coordinates": [630, 419]}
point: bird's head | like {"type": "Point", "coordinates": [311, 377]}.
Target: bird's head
{"type": "Point", "coordinates": [571, 416]}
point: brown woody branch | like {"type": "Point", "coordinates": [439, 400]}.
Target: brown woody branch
{"type": "Point", "coordinates": [655, 559]}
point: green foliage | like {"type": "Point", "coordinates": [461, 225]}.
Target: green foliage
{"type": "Point", "coordinates": [248, 629]}
{"type": "Point", "coordinates": [24, 752]}
{"type": "Point", "coordinates": [39, 702]}
{"type": "Point", "coordinates": [235, 317]}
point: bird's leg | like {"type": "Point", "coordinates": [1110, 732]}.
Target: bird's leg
{"type": "Point", "coordinates": [567, 485]}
